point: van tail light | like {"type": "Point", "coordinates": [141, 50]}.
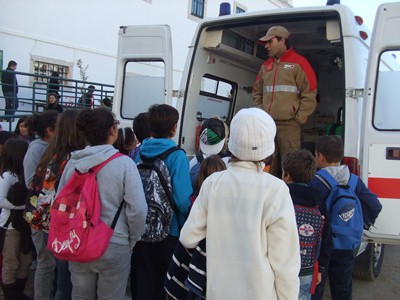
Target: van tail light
{"type": "Point", "coordinates": [353, 165]}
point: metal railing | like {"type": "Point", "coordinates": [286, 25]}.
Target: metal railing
{"type": "Point", "coordinates": [33, 90]}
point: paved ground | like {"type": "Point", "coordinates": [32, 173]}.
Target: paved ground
{"type": "Point", "coordinates": [386, 286]}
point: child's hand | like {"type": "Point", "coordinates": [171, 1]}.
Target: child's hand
{"type": "Point", "coordinates": [319, 276]}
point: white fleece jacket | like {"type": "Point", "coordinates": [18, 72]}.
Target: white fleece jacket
{"type": "Point", "coordinates": [248, 219]}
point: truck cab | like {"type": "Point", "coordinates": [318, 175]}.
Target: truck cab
{"type": "Point", "coordinates": [224, 59]}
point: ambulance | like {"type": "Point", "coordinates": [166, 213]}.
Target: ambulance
{"type": "Point", "coordinates": [358, 96]}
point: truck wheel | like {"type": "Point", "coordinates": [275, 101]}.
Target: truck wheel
{"type": "Point", "coordinates": [368, 264]}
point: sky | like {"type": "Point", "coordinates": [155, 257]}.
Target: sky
{"type": "Point", "coordinates": [363, 8]}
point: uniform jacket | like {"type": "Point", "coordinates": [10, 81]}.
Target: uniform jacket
{"type": "Point", "coordinates": [370, 203]}
{"type": "Point", "coordinates": [118, 180]}
{"type": "Point", "coordinates": [178, 167]}
{"type": "Point", "coordinates": [248, 219]}
{"type": "Point", "coordinates": [286, 88]}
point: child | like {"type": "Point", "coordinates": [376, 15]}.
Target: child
{"type": "Point", "coordinates": [52, 103]}
{"type": "Point", "coordinates": [247, 217]}
{"type": "Point", "coordinates": [188, 266]}
{"type": "Point", "coordinates": [43, 189]}
{"type": "Point", "coordinates": [329, 154]}
{"type": "Point", "coordinates": [22, 132]}
{"type": "Point", "coordinates": [16, 261]}
{"type": "Point", "coordinates": [43, 125]}
{"type": "Point", "coordinates": [141, 129]}
{"type": "Point", "coordinates": [125, 142]}
{"type": "Point", "coordinates": [119, 180]}
{"type": "Point", "coordinates": [151, 259]}
{"type": "Point", "coordinates": [298, 168]}
{"type": "Point", "coordinates": [212, 141]}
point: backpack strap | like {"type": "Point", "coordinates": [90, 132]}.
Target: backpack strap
{"type": "Point", "coordinates": [165, 154]}
{"type": "Point", "coordinates": [352, 183]}
{"type": "Point", "coordinates": [115, 220]}
{"type": "Point", "coordinates": [199, 157]}
{"type": "Point", "coordinates": [97, 168]}
{"type": "Point", "coordinates": [327, 179]}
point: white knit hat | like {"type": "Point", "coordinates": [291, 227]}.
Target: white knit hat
{"type": "Point", "coordinates": [252, 135]}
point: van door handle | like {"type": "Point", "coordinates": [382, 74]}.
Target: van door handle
{"type": "Point", "coordinates": [393, 153]}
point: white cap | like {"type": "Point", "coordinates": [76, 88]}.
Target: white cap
{"type": "Point", "coordinates": [252, 134]}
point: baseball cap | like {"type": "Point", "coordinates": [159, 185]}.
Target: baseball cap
{"type": "Point", "coordinates": [273, 32]}
{"type": "Point", "coordinates": [212, 136]}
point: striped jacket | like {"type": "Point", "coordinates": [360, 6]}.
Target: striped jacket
{"type": "Point", "coordinates": [186, 276]}
{"type": "Point", "coordinates": [286, 88]}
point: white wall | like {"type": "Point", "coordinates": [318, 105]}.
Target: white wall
{"type": "Point", "coordinates": [68, 30]}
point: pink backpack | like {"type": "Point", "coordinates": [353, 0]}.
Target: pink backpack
{"type": "Point", "coordinates": [76, 231]}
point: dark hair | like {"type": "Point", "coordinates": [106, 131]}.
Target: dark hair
{"type": "Point", "coordinates": [300, 165]}
{"type": "Point", "coordinates": [55, 74]}
{"type": "Point", "coordinates": [209, 165]}
{"type": "Point", "coordinates": [91, 88]}
{"type": "Point", "coordinates": [48, 102]}
{"type": "Point", "coordinates": [141, 126]}
{"type": "Point", "coordinates": [331, 147]}
{"type": "Point", "coordinates": [288, 42]}
{"type": "Point", "coordinates": [107, 102]}
{"type": "Point", "coordinates": [31, 135]}
{"type": "Point", "coordinates": [162, 118]}
{"type": "Point", "coordinates": [5, 136]}
{"type": "Point", "coordinates": [66, 139]}
{"type": "Point", "coordinates": [12, 63]}
{"type": "Point", "coordinates": [39, 122]}
{"type": "Point", "coordinates": [95, 124]}
{"type": "Point", "coordinates": [12, 157]}
{"type": "Point", "coordinates": [125, 138]}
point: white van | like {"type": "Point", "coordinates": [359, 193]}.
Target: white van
{"type": "Point", "coordinates": [224, 59]}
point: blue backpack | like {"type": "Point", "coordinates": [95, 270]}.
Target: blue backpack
{"type": "Point", "coordinates": [345, 211]}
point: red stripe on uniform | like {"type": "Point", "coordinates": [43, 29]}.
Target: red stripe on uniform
{"type": "Point", "coordinates": [385, 187]}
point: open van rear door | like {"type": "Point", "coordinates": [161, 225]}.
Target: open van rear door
{"type": "Point", "coordinates": [380, 133]}
{"type": "Point", "coordinates": [144, 70]}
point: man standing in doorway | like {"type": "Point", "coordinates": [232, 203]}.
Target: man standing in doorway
{"type": "Point", "coordinates": [9, 85]}
{"type": "Point", "coordinates": [286, 88]}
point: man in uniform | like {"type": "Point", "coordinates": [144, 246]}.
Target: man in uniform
{"type": "Point", "coordinates": [286, 88]}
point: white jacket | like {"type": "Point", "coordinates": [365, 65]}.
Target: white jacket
{"type": "Point", "coordinates": [248, 219]}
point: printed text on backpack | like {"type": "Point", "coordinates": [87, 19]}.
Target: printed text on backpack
{"type": "Point", "coordinates": [76, 231]}
{"type": "Point", "coordinates": [345, 212]}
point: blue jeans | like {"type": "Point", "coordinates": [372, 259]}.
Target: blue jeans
{"type": "Point", "coordinates": [45, 268]}
{"type": "Point", "coordinates": [104, 278]}
{"type": "Point", "coordinates": [305, 287]}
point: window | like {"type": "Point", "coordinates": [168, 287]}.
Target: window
{"type": "Point", "coordinates": [46, 69]}
{"type": "Point", "coordinates": [387, 104]}
{"type": "Point", "coordinates": [215, 99]}
{"type": "Point", "coordinates": [198, 8]}
{"type": "Point", "coordinates": [143, 86]}
{"type": "Point", "coordinates": [239, 8]}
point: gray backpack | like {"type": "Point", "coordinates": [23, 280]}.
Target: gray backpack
{"type": "Point", "coordinates": [158, 192]}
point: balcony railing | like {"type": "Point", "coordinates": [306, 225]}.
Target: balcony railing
{"type": "Point", "coordinates": [32, 94]}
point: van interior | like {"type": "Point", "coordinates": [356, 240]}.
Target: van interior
{"type": "Point", "coordinates": [227, 59]}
